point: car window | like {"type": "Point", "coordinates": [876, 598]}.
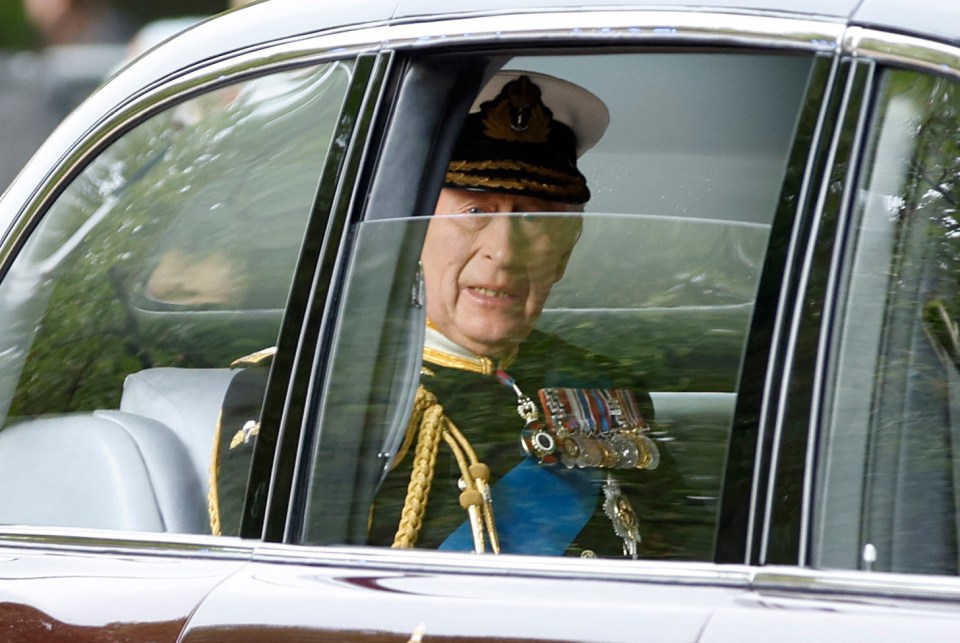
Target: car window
{"type": "Point", "coordinates": [889, 463]}
{"type": "Point", "coordinates": [648, 323]}
{"type": "Point", "coordinates": [158, 275]}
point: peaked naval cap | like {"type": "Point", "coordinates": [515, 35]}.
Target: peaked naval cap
{"type": "Point", "coordinates": [523, 136]}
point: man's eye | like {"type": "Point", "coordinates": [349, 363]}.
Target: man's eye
{"type": "Point", "coordinates": [474, 210]}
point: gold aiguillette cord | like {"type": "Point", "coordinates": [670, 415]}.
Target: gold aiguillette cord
{"type": "Point", "coordinates": [430, 424]}
{"type": "Point", "coordinates": [475, 497]}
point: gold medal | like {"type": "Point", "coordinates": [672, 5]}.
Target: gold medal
{"type": "Point", "coordinates": [610, 457]}
{"type": "Point", "coordinates": [591, 455]}
{"type": "Point", "coordinates": [649, 453]}
{"type": "Point", "coordinates": [569, 452]}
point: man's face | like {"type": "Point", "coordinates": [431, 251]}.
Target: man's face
{"type": "Point", "coordinates": [487, 278]}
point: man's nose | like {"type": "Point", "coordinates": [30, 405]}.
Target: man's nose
{"type": "Point", "coordinates": [503, 240]}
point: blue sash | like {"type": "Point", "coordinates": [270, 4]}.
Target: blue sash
{"type": "Point", "coordinates": [538, 510]}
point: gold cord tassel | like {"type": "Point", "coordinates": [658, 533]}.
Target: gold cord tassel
{"type": "Point", "coordinates": [430, 424]}
{"type": "Point", "coordinates": [481, 476]}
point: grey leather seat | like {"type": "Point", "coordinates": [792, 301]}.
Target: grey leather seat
{"type": "Point", "coordinates": [187, 400]}
{"type": "Point", "coordinates": [142, 468]}
{"type": "Point", "coordinates": [106, 469]}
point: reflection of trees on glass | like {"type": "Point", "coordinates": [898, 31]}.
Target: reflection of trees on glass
{"type": "Point", "coordinates": [932, 191]}
{"type": "Point", "coordinates": [911, 470]}
{"type": "Point", "coordinates": [924, 289]}
{"type": "Point", "coordinates": [683, 296]}
{"type": "Point", "coordinates": [200, 211]}
{"type": "Point", "coordinates": [84, 332]}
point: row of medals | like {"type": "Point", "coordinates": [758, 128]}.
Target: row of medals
{"type": "Point", "coordinates": [621, 448]}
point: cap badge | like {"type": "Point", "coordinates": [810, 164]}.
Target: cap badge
{"type": "Point", "coordinates": [517, 114]}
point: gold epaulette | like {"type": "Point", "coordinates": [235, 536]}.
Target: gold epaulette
{"type": "Point", "coordinates": [254, 358]}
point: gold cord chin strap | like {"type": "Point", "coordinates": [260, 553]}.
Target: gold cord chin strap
{"type": "Point", "coordinates": [430, 426]}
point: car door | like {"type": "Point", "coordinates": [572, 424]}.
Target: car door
{"type": "Point", "coordinates": [861, 501]}
{"type": "Point", "coordinates": [156, 265]}
{"type": "Point", "coordinates": [704, 200]}
{"type": "Point", "coordinates": [882, 461]}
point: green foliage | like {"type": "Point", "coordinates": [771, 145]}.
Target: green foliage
{"type": "Point", "coordinates": [912, 413]}
{"type": "Point", "coordinates": [182, 240]}
{"type": "Point", "coordinates": [147, 11]}
{"type": "Point", "coordinates": [15, 32]}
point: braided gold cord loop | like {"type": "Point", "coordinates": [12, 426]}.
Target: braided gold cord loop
{"type": "Point", "coordinates": [475, 476]}
{"type": "Point", "coordinates": [430, 425]}
{"type": "Point", "coordinates": [423, 400]}
{"type": "Point", "coordinates": [429, 418]}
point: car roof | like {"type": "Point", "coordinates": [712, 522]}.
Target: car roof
{"type": "Point", "coordinates": [266, 21]}
{"type": "Point", "coordinates": [251, 26]}
{"type": "Point", "coordinates": [282, 19]}
{"type": "Point", "coordinates": [938, 19]}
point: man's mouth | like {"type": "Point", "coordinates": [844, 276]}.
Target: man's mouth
{"type": "Point", "coordinates": [489, 292]}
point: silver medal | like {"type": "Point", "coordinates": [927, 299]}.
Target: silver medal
{"type": "Point", "coordinates": [627, 452]}
{"type": "Point", "coordinates": [618, 509]}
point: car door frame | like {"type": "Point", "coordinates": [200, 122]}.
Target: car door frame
{"type": "Point", "coordinates": [868, 52]}
{"type": "Point", "coordinates": [747, 462]}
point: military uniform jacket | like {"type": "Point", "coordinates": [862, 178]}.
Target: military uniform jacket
{"type": "Point", "coordinates": [485, 411]}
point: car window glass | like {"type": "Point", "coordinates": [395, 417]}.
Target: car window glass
{"type": "Point", "coordinates": [167, 260]}
{"type": "Point", "coordinates": [889, 461]}
{"type": "Point", "coordinates": [647, 322]}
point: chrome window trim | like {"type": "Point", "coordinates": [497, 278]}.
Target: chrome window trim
{"type": "Point", "coordinates": [860, 584]}
{"type": "Point", "coordinates": [683, 573]}
{"type": "Point", "coordinates": [636, 26]}
{"type": "Point", "coordinates": [827, 583]}
{"type": "Point", "coordinates": [431, 561]}
{"type": "Point", "coordinates": [896, 49]}
{"type": "Point", "coordinates": [792, 338]}
{"type": "Point", "coordinates": [105, 541]}
{"type": "Point", "coordinates": [811, 517]}
{"type": "Point", "coordinates": [784, 331]}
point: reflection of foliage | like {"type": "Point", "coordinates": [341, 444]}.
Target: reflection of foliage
{"type": "Point", "coordinates": [231, 175]}
{"type": "Point", "coordinates": [935, 169]}
{"type": "Point", "coordinates": [932, 190]}
{"type": "Point", "coordinates": [84, 332]}
{"type": "Point", "coordinates": [924, 276]}
{"type": "Point", "coordinates": [670, 349]}
{"type": "Point", "coordinates": [659, 261]}
{"type": "Point", "coordinates": [675, 300]}
{"type": "Point", "coordinates": [911, 451]}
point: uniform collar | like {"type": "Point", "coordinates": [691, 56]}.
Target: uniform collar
{"type": "Point", "coordinates": [440, 350]}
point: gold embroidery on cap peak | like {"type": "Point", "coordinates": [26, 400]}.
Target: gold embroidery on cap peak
{"type": "Point", "coordinates": [519, 166]}
{"type": "Point", "coordinates": [461, 179]}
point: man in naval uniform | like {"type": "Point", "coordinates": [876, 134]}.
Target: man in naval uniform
{"type": "Point", "coordinates": [521, 443]}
